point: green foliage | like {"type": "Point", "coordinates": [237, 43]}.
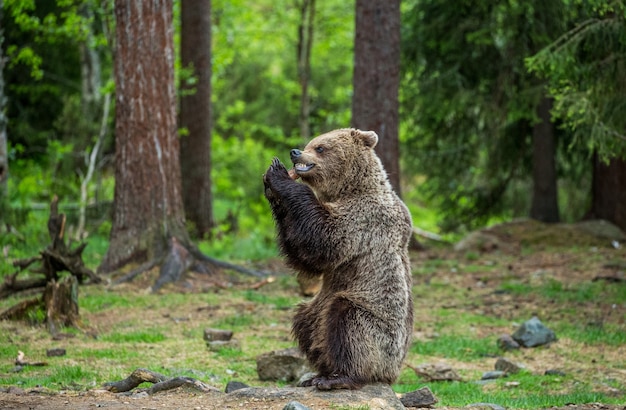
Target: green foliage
{"type": "Point", "coordinates": [469, 103]}
{"type": "Point", "coordinates": [585, 68]}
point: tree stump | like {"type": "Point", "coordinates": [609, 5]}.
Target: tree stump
{"type": "Point", "coordinates": [59, 298]}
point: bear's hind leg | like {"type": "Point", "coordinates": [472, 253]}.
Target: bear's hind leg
{"type": "Point", "coordinates": [347, 361]}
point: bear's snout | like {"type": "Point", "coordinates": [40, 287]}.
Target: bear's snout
{"type": "Point", "coordinates": [295, 155]}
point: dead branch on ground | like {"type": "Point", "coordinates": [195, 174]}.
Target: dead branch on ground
{"type": "Point", "coordinates": [160, 382]}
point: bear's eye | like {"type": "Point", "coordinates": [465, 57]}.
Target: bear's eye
{"type": "Point", "coordinates": [319, 149]}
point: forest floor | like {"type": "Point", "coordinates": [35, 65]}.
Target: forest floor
{"type": "Point", "coordinates": [570, 276]}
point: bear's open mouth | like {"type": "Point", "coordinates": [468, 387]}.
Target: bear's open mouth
{"type": "Point", "coordinates": [299, 167]}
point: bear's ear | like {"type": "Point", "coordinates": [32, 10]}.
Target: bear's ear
{"type": "Point", "coordinates": [369, 138]}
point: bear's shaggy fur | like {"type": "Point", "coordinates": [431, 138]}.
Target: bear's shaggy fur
{"type": "Point", "coordinates": [346, 224]}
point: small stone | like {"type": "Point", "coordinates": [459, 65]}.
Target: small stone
{"type": "Point", "coordinates": [285, 365]}
{"type": "Point", "coordinates": [436, 372]}
{"type": "Point", "coordinates": [533, 333]}
{"type": "Point", "coordinates": [212, 335]}
{"type": "Point", "coordinates": [55, 352]}
{"type": "Point", "coordinates": [423, 397]}
{"type": "Point", "coordinates": [235, 385]}
{"type": "Point", "coordinates": [506, 342]}
{"type": "Point", "coordinates": [294, 405]}
{"type": "Point", "coordinates": [507, 366]}
{"type": "Point", "coordinates": [217, 345]}
{"type": "Point", "coordinates": [495, 374]}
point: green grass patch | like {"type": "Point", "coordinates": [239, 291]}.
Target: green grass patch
{"type": "Point", "coordinates": [141, 336]}
{"type": "Point", "coordinates": [278, 301]}
{"type": "Point", "coordinates": [60, 377]}
{"type": "Point", "coordinates": [592, 334]}
{"type": "Point", "coordinates": [529, 391]}
{"type": "Point", "coordinates": [456, 347]}
{"type": "Point", "coordinates": [582, 292]}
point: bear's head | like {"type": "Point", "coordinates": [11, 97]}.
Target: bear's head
{"type": "Point", "coordinates": [340, 163]}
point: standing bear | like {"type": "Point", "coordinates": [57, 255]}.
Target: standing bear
{"type": "Point", "coordinates": [346, 225]}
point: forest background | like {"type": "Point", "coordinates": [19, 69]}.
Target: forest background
{"type": "Point", "coordinates": [504, 110]}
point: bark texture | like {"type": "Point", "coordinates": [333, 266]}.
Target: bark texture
{"type": "Point", "coordinates": [609, 191]}
{"type": "Point", "coordinates": [148, 206]}
{"type": "Point", "coordinates": [376, 80]}
{"type": "Point", "coordinates": [4, 159]}
{"type": "Point", "coordinates": [545, 207]}
{"type": "Point", "coordinates": [195, 115]}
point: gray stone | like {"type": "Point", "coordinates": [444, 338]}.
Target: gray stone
{"type": "Point", "coordinates": [423, 397]}
{"type": "Point", "coordinates": [506, 342]}
{"type": "Point", "coordinates": [373, 397]}
{"type": "Point", "coordinates": [55, 352]}
{"type": "Point", "coordinates": [495, 374]}
{"type": "Point", "coordinates": [294, 405]}
{"type": "Point", "coordinates": [507, 366]}
{"type": "Point", "coordinates": [212, 335]}
{"type": "Point", "coordinates": [533, 333]}
{"type": "Point", "coordinates": [217, 345]}
{"type": "Point", "coordinates": [436, 372]}
{"type": "Point", "coordinates": [282, 365]}
{"type": "Point", "coordinates": [235, 385]}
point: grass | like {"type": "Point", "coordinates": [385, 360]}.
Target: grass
{"type": "Point", "coordinates": [460, 321]}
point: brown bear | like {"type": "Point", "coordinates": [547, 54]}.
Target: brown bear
{"type": "Point", "coordinates": [346, 224]}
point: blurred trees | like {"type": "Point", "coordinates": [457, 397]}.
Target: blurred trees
{"type": "Point", "coordinates": [586, 70]}
{"type": "Point", "coordinates": [375, 104]}
{"type": "Point", "coordinates": [476, 123]}
{"type": "Point", "coordinates": [195, 114]}
{"type": "Point", "coordinates": [503, 106]}
{"type": "Point", "coordinates": [4, 158]}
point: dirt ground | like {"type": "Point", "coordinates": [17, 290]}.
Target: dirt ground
{"type": "Point", "coordinates": [529, 251]}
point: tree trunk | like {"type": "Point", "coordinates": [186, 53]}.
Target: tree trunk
{"type": "Point", "coordinates": [4, 158]}
{"type": "Point", "coordinates": [148, 208]}
{"type": "Point", "coordinates": [545, 206]}
{"type": "Point", "coordinates": [376, 78]}
{"type": "Point", "coordinates": [609, 191]}
{"type": "Point", "coordinates": [305, 43]}
{"type": "Point", "coordinates": [195, 115]}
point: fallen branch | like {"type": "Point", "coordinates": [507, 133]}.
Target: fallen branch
{"type": "Point", "coordinates": [160, 382]}
{"type": "Point", "coordinates": [428, 235]}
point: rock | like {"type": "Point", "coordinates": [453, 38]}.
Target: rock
{"type": "Point", "coordinates": [495, 374]}
{"type": "Point", "coordinates": [601, 229]}
{"type": "Point", "coordinates": [554, 372]}
{"type": "Point", "coordinates": [373, 397]}
{"type": "Point", "coordinates": [506, 342]}
{"type": "Point", "coordinates": [212, 335]}
{"type": "Point", "coordinates": [436, 372]}
{"type": "Point", "coordinates": [217, 345]}
{"type": "Point", "coordinates": [235, 385]}
{"type": "Point", "coordinates": [284, 365]}
{"type": "Point", "coordinates": [485, 406]}
{"type": "Point", "coordinates": [294, 405]}
{"type": "Point", "coordinates": [423, 397]}
{"type": "Point", "coordinates": [507, 366]}
{"type": "Point", "coordinates": [55, 352]}
{"type": "Point", "coordinates": [533, 333]}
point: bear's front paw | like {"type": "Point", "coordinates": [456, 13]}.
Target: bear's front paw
{"type": "Point", "coordinates": [276, 172]}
